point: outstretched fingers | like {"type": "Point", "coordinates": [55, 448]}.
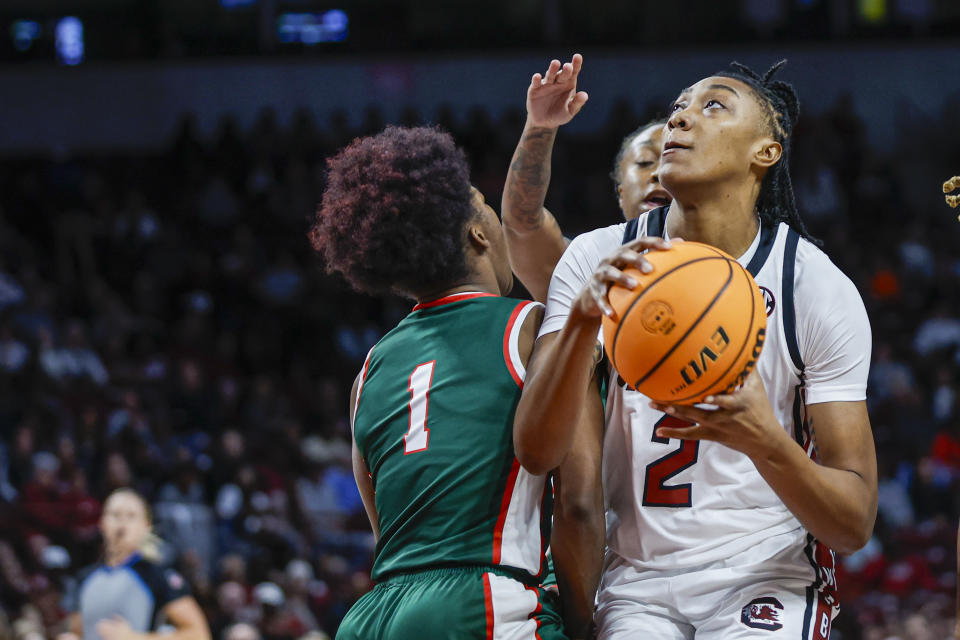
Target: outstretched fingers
{"type": "Point", "coordinates": [577, 102]}
{"type": "Point", "coordinates": [577, 61]}
{"type": "Point", "coordinates": [552, 71]}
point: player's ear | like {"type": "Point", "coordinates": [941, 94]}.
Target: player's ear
{"type": "Point", "coordinates": [478, 237]}
{"type": "Point", "coordinates": [768, 153]}
{"type": "Point", "coordinates": [620, 196]}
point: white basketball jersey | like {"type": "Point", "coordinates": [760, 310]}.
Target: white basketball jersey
{"type": "Point", "coordinates": [675, 504]}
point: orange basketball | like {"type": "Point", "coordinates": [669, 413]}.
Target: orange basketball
{"type": "Point", "coordinates": [692, 327]}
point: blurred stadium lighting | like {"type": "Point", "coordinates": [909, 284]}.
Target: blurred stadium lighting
{"type": "Point", "coordinates": [873, 11]}
{"type": "Point", "coordinates": [69, 40]}
{"type": "Point", "coordinates": [312, 28]}
{"type": "Point", "coordinates": [24, 33]}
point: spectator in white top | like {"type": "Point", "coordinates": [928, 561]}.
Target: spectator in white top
{"type": "Point", "coordinates": [939, 331]}
{"type": "Point", "coordinates": [75, 361]}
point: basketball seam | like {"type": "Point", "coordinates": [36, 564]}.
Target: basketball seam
{"type": "Point", "coordinates": [693, 325]}
{"type": "Point", "coordinates": [753, 306]}
{"type": "Point", "coordinates": [616, 335]}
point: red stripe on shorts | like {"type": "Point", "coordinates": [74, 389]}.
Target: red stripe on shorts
{"type": "Point", "coordinates": [488, 604]}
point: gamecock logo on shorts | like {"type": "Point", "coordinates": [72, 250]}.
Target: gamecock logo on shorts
{"type": "Point", "coordinates": [762, 613]}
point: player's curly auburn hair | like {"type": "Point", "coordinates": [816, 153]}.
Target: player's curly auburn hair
{"type": "Point", "coordinates": [394, 210]}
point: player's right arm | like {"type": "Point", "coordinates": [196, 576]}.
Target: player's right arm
{"type": "Point", "coordinates": [361, 474]}
{"type": "Point", "coordinates": [534, 240]}
{"type": "Point", "coordinates": [562, 364]}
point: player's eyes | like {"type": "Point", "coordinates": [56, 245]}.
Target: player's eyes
{"type": "Point", "coordinates": [645, 164]}
{"type": "Point", "coordinates": [676, 106]}
{"type": "Point", "coordinates": [716, 103]}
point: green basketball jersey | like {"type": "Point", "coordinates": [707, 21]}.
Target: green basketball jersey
{"type": "Point", "coordinates": [434, 423]}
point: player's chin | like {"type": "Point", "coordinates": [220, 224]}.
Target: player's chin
{"type": "Point", "coordinates": [678, 176]}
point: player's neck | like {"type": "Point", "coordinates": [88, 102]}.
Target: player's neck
{"type": "Point", "coordinates": [728, 222]}
{"type": "Point", "coordinates": [473, 285]}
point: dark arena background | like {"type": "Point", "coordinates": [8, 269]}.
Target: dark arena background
{"type": "Point", "coordinates": [165, 325]}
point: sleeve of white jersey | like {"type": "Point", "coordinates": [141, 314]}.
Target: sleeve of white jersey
{"type": "Point", "coordinates": [833, 331]}
{"type": "Point", "coordinates": [576, 266]}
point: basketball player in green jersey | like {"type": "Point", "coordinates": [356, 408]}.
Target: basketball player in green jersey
{"type": "Point", "coordinates": [461, 528]}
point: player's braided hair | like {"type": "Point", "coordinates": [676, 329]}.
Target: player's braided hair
{"type": "Point", "coordinates": [616, 173]}
{"type": "Point", "coordinates": [776, 202]}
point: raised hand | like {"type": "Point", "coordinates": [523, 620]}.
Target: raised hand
{"type": "Point", "coordinates": [951, 185]}
{"type": "Point", "coordinates": [552, 98]}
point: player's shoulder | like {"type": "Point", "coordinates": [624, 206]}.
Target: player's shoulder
{"type": "Point", "coordinates": [816, 271]}
{"type": "Point", "coordinates": [820, 285]}
{"type": "Point", "coordinates": [597, 244]}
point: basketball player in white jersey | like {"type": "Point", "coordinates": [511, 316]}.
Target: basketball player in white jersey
{"type": "Point", "coordinates": [720, 523]}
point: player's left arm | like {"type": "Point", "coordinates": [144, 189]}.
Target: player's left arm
{"type": "Point", "coordinates": [835, 500]}
{"type": "Point", "coordinates": [834, 497]}
{"type": "Point", "coordinates": [361, 474]}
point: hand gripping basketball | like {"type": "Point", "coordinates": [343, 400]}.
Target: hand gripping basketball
{"type": "Point", "coordinates": [743, 420]}
{"type": "Point", "coordinates": [593, 300]}
{"type": "Point", "coordinates": [952, 185]}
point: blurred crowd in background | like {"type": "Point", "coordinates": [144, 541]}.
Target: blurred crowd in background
{"type": "Point", "coordinates": [164, 325]}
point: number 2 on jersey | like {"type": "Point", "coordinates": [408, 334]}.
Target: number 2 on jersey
{"type": "Point", "coordinates": [418, 436]}
{"type": "Point", "coordinates": [655, 492]}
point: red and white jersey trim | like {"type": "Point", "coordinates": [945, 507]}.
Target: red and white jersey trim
{"type": "Point", "coordinates": [513, 546]}
{"type": "Point", "coordinates": [456, 297]}
{"type": "Point", "coordinates": [363, 378]}
{"type": "Point", "coordinates": [511, 341]}
{"type": "Point", "coordinates": [510, 608]}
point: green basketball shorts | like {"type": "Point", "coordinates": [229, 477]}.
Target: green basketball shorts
{"type": "Point", "coordinates": [459, 603]}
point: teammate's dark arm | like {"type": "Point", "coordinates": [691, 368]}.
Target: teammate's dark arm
{"type": "Point", "coordinates": [835, 500]}
{"type": "Point", "coordinates": [534, 240]}
{"type": "Point", "coordinates": [578, 520]}
{"type": "Point", "coordinates": [360, 472]}
{"type": "Point", "coordinates": [561, 367]}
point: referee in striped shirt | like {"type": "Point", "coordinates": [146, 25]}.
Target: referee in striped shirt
{"type": "Point", "coordinates": [128, 595]}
